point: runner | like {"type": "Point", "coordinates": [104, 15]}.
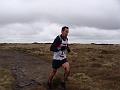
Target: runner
{"type": "Point", "coordinates": [60, 48]}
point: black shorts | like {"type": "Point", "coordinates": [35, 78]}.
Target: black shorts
{"type": "Point", "coordinates": [58, 63]}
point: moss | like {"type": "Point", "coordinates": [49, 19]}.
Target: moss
{"type": "Point", "coordinates": [6, 80]}
{"type": "Point", "coordinates": [80, 81]}
{"type": "Point", "coordinates": [56, 81]}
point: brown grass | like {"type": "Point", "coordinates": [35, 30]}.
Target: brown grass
{"type": "Point", "coordinates": [6, 80]}
{"type": "Point", "coordinates": [93, 67]}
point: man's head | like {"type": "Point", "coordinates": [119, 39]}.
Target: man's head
{"type": "Point", "coordinates": [65, 31]}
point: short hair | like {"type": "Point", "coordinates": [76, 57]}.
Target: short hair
{"type": "Point", "coordinates": [65, 27]}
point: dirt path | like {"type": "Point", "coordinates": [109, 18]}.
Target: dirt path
{"type": "Point", "coordinates": [30, 73]}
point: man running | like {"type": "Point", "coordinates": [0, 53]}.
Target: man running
{"type": "Point", "coordinates": [60, 48]}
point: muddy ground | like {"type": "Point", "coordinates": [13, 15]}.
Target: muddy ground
{"type": "Point", "coordinates": [93, 67]}
{"type": "Point", "coordinates": [29, 72]}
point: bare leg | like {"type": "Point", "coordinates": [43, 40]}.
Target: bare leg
{"type": "Point", "coordinates": [66, 74]}
{"type": "Point", "coordinates": [52, 74]}
{"type": "Point", "coordinates": [67, 70]}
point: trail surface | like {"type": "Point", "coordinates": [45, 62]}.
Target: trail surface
{"type": "Point", "coordinates": [30, 72]}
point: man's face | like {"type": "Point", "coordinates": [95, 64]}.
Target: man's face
{"type": "Point", "coordinates": [65, 32]}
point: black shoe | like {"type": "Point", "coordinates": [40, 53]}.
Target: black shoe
{"type": "Point", "coordinates": [49, 85]}
{"type": "Point", "coordinates": [63, 84]}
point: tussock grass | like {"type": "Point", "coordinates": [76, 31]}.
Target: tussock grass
{"type": "Point", "coordinates": [6, 80]}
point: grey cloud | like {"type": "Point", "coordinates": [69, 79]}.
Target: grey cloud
{"type": "Point", "coordinates": [41, 20]}
{"type": "Point", "coordinates": [95, 33]}
{"type": "Point", "coordinates": [30, 32]}
{"type": "Point", "coordinates": [92, 13]}
{"type": "Point", "coordinates": [46, 32]}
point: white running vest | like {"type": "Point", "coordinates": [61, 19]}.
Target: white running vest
{"type": "Point", "coordinates": [60, 55]}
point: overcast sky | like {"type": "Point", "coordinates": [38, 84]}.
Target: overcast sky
{"type": "Point", "coordinates": [89, 21]}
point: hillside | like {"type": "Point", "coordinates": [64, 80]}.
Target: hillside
{"type": "Point", "coordinates": [93, 67]}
